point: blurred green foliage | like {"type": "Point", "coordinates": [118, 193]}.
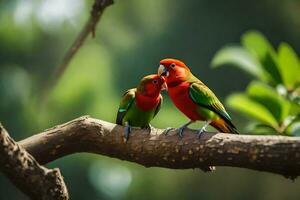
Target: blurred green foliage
{"type": "Point", "coordinates": [131, 38]}
{"type": "Point", "coordinates": [274, 100]}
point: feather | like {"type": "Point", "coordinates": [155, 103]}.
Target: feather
{"type": "Point", "coordinates": [126, 102]}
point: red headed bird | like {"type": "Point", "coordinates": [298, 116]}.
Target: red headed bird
{"type": "Point", "coordinates": [141, 104]}
{"type": "Point", "coordinates": [193, 98]}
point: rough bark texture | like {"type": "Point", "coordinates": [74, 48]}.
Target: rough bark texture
{"type": "Point", "coordinates": [276, 154]}
{"type": "Point", "coordinates": [25, 172]}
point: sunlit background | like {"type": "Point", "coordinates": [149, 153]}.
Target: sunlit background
{"type": "Point", "coordinates": [131, 38]}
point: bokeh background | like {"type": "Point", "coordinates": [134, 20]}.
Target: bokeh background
{"type": "Point", "coordinates": [131, 38]}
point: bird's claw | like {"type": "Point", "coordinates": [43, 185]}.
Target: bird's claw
{"type": "Point", "coordinates": [149, 128]}
{"type": "Point", "coordinates": [167, 130]}
{"type": "Point", "coordinates": [180, 131]}
{"type": "Point", "coordinates": [200, 132]}
{"type": "Point", "coordinates": [182, 128]}
{"type": "Point", "coordinates": [203, 129]}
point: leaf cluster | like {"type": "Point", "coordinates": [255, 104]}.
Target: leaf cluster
{"type": "Point", "coordinates": [272, 100]}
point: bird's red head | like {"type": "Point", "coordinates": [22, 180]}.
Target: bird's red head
{"type": "Point", "coordinates": [173, 70]}
{"type": "Point", "coordinates": [151, 85]}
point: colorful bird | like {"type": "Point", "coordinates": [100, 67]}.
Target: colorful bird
{"type": "Point", "coordinates": [140, 105]}
{"type": "Point", "coordinates": [194, 98]}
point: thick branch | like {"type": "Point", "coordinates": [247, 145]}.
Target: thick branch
{"type": "Point", "coordinates": [277, 154]}
{"type": "Point", "coordinates": [25, 172]}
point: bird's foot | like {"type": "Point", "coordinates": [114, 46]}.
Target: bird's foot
{"type": "Point", "coordinates": [167, 130]}
{"type": "Point", "coordinates": [201, 131]}
{"type": "Point", "coordinates": [180, 131]}
{"type": "Point", "coordinates": [149, 127]}
{"type": "Point", "coordinates": [182, 128]}
{"type": "Point", "coordinates": [127, 131]}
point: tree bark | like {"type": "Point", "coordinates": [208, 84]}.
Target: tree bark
{"type": "Point", "coordinates": [276, 154]}
{"type": "Point", "coordinates": [25, 172]}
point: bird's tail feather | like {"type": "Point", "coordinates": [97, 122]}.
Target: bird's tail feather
{"type": "Point", "coordinates": [224, 126]}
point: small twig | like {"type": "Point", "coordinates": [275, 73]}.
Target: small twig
{"type": "Point", "coordinates": [27, 174]}
{"type": "Point", "coordinates": [90, 27]}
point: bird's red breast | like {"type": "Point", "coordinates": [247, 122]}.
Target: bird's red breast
{"type": "Point", "coordinates": [181, 98]}
{"type": "Point", "coordinates": [146, 103]}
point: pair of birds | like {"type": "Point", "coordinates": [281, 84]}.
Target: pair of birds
{"type": "Point", "coordinates": [192, 97]}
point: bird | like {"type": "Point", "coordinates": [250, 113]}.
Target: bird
{"type": "Point", "coordinates": [193, 98]}
{"type": "Point", "coordinates": [140, 105]}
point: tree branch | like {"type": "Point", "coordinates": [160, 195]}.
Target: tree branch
{"type": "Point", "coordinates": [276, 154]}
{"type": "Point", "coordinates": [90, 27]}
{"type": "Point", "coordinates": [25, 172]}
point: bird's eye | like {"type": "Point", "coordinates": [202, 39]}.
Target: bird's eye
{"type": "Point", "coordinates": [172, 65]}
{"type": "Point", "coordinates": [155, 81]}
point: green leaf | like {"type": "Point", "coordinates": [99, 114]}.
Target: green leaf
{"type": "Point", "coordinates": [238, 57]}
{"type": "Point", "coordinates": [269, 63]}
{"type": "Point", "coordinates": [256, 43]}
{"type": "Point", "coordinates": [289, 65]}
{"type": "Point", "coordinates": [295, 108]}
{"type": "Point", "coordinates": [270, 99]}
{"type": "Point", "coordinates": [250, 107]}
{"type": "Point", "coordinates": [261, 49]}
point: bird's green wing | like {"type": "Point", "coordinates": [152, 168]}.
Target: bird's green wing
{"type": "Point", "coordinates": [158, 106]}
{"type": "Point", "coordinates": [125, 104]}
{"type": "Point", "coordinates": [204, 97]}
